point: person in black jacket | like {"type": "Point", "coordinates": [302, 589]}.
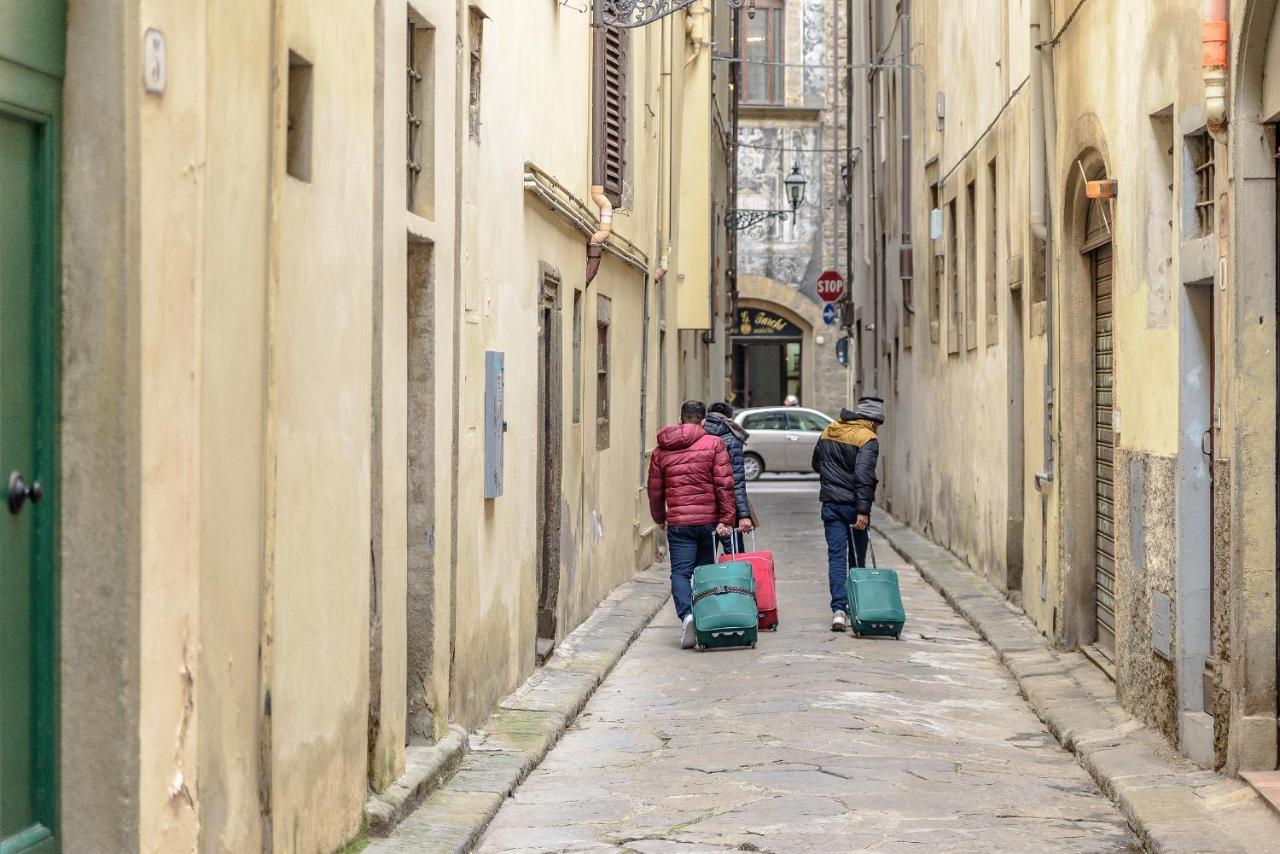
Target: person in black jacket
{"type": "Point", "coordinates": [719, 422]}
{"type": "Point", "coordinates": [845, 460]}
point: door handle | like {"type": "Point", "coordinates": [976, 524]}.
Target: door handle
{"type": "Point", "coordinates": [1206, 443]}
{"type": "Point", "coordinates": [792, 437]}
{"type": "Point", "coordinates": [19, 492]}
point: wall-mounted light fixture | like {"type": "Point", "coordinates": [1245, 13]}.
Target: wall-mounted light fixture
{"type": "Point", "coordinates": [740, 219]}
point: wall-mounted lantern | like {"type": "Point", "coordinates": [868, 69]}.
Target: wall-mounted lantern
{"type": "Point", "coordinates": [795, 184]}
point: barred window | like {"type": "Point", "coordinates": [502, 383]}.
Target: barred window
{"type": "Point", "coordinates": [1201, 154]}
{"type": "Point", "coordinates": [419, 118]}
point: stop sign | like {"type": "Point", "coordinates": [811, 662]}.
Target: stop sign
{"type": "Point", "coordinates": [830, 286]}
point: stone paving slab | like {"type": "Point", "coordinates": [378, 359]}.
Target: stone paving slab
{"type": "Point", "coordinates": [493, 760]}
{"type": "Point", "coordinates": [1174, 805]}
{"type": "Point", "coordinates": [814, 741]}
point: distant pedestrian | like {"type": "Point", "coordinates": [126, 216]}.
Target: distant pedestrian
{"type": "Point", "coordinates": [691, 498]}
{"type": "Point", "coordinates": [719, 423]}
{"type": "Point", "coordinates": [791, 400]}
{"type": "Point", "coordinates": [845, 460]}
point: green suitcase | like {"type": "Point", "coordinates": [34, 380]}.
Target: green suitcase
{"type": "Point", "coordinates": [875, 601]}
{"type": "Point", "coordinates": [724, 605]}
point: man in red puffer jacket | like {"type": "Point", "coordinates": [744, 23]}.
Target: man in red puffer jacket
{"type": "Point", "coordinates": [691, 497]}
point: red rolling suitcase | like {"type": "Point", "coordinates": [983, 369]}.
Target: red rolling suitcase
{"type": "Point", "coordinates": [766, 586]}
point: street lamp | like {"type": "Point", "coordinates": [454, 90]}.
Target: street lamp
{"type": "Point", "coordinates": [741, 219]}
{"type": "Point", "coordinates": [795, 184]}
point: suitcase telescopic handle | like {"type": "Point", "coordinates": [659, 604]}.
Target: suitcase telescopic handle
{"type": "Point", "coordinates": [871, 548]}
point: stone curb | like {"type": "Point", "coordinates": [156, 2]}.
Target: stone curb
{"type": "Point", "coordinates": [528, 723]}
{"type": "Point", "coordinates": [1171, 804]}
{"type": "Point", "coordinates": [425, 768]}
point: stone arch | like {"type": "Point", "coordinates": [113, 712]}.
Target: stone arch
{"type": "Point", "coordinates": [771, 293]}
{"type": "Point", "coordinates": [1251, 375]}
{"type": "Point", "coordinates": [786, 301]}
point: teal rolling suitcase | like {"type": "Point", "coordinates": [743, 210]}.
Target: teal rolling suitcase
{"type": "Point", "coordinates": [875, 601]}
{"type": "Point", "coordinates": [724, 605]}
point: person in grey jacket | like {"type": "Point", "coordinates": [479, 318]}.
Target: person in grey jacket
{"type": "Point", "coordinates": [719, 423]}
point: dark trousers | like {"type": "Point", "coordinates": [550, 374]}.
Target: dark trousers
{"type": "Point", "coordinates": [837, 522]}
{"type": "Point", "coordinates": [691, 546]}
{"type": "Point", "coordinates": [735, 542]}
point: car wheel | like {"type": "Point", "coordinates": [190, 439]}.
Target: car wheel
{"type": "Point", "coordinates": [753, 466]}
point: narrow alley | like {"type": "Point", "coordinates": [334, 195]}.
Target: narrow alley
{"type": "Point", "coordinates": [374, 378]}
{"type": "Point", "coordinates": [814, 741]}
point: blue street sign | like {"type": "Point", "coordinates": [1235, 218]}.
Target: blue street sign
{"type": "Point", "coordinates": [829, 314]}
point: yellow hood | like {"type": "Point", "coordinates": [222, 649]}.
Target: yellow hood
{"type": "Point", "coordinates": [856, 433]}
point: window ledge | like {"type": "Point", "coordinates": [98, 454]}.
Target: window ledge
{"type": "Point", "coordinates": [781, 111]}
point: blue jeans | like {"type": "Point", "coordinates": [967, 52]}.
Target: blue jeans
{"type": "Point", "coordinates": [691, 546]}
{"type": "Point", "coordinates": [837, 521]}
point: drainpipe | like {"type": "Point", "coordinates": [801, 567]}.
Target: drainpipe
{"type": "Point", "coordinates": [1214, 71]}
{"type": "Point", "coordinates": [906, 259]}
{"type": "Point", "coordinates": [604, 222]}
{"type": "Point", "coordinates": [1037, 152]}
{"type": "Point", "coordinates": [1044, 134]}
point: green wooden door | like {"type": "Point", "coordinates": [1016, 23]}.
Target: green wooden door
{"type": "Point", "coordinates": [30, 87]}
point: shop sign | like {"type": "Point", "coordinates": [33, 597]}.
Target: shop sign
{"type": "Point", "coordinates": [758, 323]}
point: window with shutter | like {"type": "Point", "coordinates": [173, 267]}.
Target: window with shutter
{"type": "Point", "coordinates": [763, 47]}
{"type": "Point", "coordinates": [615, 113]}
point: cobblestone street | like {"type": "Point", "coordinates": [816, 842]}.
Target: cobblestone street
{"type": "Point", "coordinates": [814, 741]}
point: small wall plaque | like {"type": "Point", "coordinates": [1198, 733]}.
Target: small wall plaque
{"type": "Point", "coordinates": [155, 71]}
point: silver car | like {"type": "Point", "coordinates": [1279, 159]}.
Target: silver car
{"type": "Point", "coordinates": [781, 438]}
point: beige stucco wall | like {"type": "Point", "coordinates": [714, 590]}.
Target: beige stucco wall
{"type": "Point", "coordinates": [507, 240]}
{"type": "Point", "coordinates": [282, 368]}
{"type": "Point", "coordinates": [1118, 112]}
{"type": "Point", "coordinates": [233, 387]}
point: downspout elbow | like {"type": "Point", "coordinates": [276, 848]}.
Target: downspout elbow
{"type": "Point", "coordinates": [604, 223]}
{"type": "Point", "coordinates": [604, 227]}
{"type": "Point", "coordinates": [1214, 33]}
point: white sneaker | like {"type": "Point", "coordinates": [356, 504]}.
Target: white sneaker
{"type": "Point", "coordinates": [689, 637]}
{"type": "Point", "coordinates": [839, 621]}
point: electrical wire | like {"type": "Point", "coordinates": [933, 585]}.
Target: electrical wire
{"type": "Point", "coordinates": [818, 65]}
{"type": "Point", "coordinates": [797, 150]}
{"type": "Point", "coordinates": [1005, 106]}
{"type": "Point", "coordinates": [1057, 37]}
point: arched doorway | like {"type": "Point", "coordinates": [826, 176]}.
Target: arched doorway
{"type": "Point", "coordinates": [768, 358]}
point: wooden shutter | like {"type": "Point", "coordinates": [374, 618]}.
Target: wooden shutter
{"type": "Point", "coordinates": [615, 112]}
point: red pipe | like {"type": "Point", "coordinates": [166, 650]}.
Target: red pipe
{"type": "Point", "coordinates": [1215, 34]}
